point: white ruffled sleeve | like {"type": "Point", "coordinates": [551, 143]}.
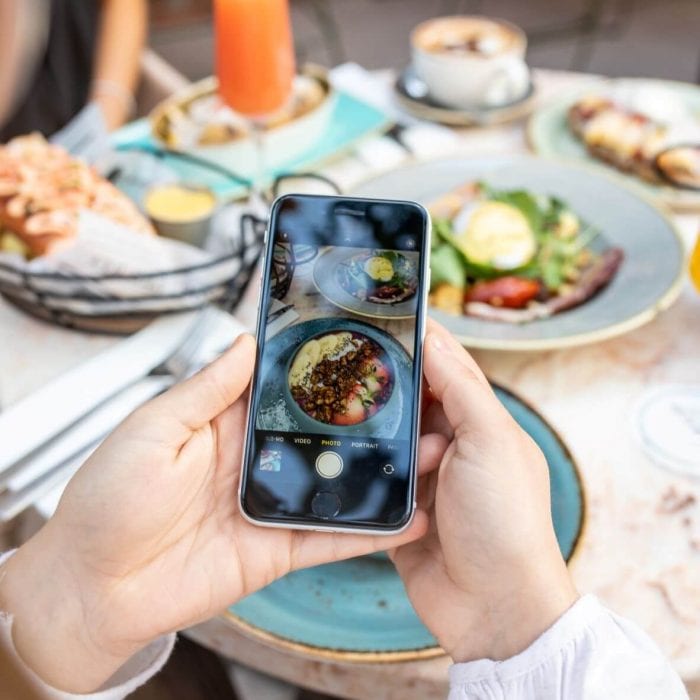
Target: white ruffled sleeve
{"type": "Point", "coordinates": [588, 654]}
{"type": "Point", "coordinates": [134, 673]}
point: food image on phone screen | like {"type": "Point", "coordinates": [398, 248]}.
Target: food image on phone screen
{"type": "Point", "coordinates": [334, 404]}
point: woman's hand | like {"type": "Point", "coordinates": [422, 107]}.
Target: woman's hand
{"type": "Point", "coordinates": [488, 578]}
{"type": "Point", "coordinates": [148, 537]}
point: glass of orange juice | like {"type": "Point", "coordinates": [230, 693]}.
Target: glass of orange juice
{"type": "Point", "coordinates": [254, 61]}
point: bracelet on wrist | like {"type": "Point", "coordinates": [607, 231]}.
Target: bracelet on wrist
{"type": "Point", "coordinates": [103, 87]}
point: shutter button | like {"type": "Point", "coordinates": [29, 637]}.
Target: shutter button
{"type": "Point", "coordinates": [329, 464]}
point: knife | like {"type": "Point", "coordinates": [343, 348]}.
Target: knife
{"type": "Point", "coordinates": [91, 428]}
{"type": "Point", "coordinates": [40, 416]}
{"type": "Point", "coordinates": [13, 503]}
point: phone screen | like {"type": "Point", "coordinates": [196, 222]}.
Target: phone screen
{"type": "Point", "coordinates": [335, 398]}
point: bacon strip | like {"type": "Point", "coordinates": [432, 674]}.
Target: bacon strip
{"type": "Point", "coordinates": [591, 281]}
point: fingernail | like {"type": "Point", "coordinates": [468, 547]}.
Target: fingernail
{"type": "Point", "coordinates": [239, 339]}
{"type": "Point", "coordinates": [437, 343]}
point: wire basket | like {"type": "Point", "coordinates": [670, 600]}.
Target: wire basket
{"type": "Point", "coordinates": [115, 303]}
{"type": "Point", "coordinates": [121, 304]}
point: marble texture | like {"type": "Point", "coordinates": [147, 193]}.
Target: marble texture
{"type": "Point", "coordinates": [640, 550]}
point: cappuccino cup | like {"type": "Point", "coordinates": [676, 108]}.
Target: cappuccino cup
{"type": "Point", "coordinates": [470, 61]}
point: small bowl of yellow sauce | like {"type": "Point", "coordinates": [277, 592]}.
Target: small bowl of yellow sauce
{"type": "Point", "coordinates": [180, 211]}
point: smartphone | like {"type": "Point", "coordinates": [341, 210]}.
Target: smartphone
{"type": "Point", "coordinates": [333, 424]}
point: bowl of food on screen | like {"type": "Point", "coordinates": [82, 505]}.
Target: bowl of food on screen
{"type": "Point", "coordinates": [342, 379]}
{"type": "Point", "coordinates": [370, 282]}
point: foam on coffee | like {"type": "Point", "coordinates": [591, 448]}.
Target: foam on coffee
{"type": "Point", "coordinates": [465, 35]}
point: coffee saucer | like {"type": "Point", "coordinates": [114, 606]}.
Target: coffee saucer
{"type": "Point", "coordinates": [412, 94]}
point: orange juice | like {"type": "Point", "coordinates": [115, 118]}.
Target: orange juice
{"type": "Point", "coordinates": [695, 264]}
{"type": "Point", "coordinates": [254, 54]}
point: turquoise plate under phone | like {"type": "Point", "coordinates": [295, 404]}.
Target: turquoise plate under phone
{"type": "Point", "coordinates": [357, 610]}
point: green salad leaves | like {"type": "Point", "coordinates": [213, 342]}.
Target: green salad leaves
{"type": "Point", "coordinates": [562, 243]}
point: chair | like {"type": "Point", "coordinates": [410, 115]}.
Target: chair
{"type": "Point", "coordinates": [158, 80]}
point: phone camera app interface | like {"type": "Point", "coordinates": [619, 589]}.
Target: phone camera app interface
{"type": "Point", "coordinates": [336, 386]}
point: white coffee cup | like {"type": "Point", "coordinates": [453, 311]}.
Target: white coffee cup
{"type": "Point", "coordinates": [468, 61]}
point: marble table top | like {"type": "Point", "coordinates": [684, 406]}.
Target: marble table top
{"type": "Point", "coordinates": [640, 549]}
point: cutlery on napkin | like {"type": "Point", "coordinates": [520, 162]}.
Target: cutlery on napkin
{"type": "Point", "coordinates": [44, 473]}
{"type": "Point", "coordinates": [88, 430]}
{"type": "Point", "coordinates": [12, 503]}
{"type": "Point", "coordinates": [40, 416]}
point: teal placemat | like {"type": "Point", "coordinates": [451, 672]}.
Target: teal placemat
{"type": "Point", "coordinates": [350, 121]}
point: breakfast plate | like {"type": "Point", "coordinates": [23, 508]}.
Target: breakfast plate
{"type": "Point", "coordinates": [412, 94]}
{"type": "Point", "coordinates": [329, 280]}
{"type": "Point", "coordinates": [648, 279]}
{"type": "Point", "coordinates": [550, 134]}
{"type": "Point", "coordinates": [357, 610]}
{"type": "Point", "coordinates": [278, 409]}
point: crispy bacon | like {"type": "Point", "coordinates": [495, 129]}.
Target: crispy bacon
{"type": "Point", "coordinates": [511, 292]}
{"type": "Point", "coordinates": [591, 281]}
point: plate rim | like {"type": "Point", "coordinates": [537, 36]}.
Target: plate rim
{"type": "Point", "coordinates": [419, 653]}
{"type": "Point", "coordinates": [664, 302]}
{"type": "Point", "coordinates": [681, 200]}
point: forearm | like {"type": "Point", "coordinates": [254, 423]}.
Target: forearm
{"type": "Point", "coordinates": [48, 633]}
{"type": "Point", "coordinates": [121, 39]}
{"type": "Point", "coordinates": [588, 654]}
{"type": "Point", "coordinates": [42, 652]}
{"type": "Point", "coordinates": [23, 33]}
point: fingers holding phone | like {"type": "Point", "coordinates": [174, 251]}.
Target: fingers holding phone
{"type": "Point", "coordinates": [492, 557]}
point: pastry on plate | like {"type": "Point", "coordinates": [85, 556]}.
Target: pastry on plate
{"type": "Point", "coordinates": [622, 137]}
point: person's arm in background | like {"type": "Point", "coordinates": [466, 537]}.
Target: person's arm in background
{"type": "Point", "coordinates": [488, 579]}
{"type": "Point", "coordinates": [120, 43]}
{"type": "Point", "coordinates": [23, 32]}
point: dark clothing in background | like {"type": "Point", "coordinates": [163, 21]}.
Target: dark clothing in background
{"type": "Point", "coordinates": [59, 86]}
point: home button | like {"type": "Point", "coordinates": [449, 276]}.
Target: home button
{"type": "Point", "coordinates": [325, 504]}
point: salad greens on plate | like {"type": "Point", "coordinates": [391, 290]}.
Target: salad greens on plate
{"type": "Point", "coordinates": [512, 255]}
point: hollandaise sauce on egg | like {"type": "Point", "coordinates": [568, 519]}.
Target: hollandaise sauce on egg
{"type": "Point", "coordinates": [379, 268]}
{"type": "Point", "coordinates": [495, 234]}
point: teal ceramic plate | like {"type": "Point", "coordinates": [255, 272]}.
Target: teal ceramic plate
{"type": "Point", "coordinates": [648, 280]}
{"type": "Point", "coordinates": [549, 134]}
{"type": "Point", "coordinates": [357, 610]}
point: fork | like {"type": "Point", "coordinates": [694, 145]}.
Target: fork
{"type": "Point", "coordinates": [57, 460]}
